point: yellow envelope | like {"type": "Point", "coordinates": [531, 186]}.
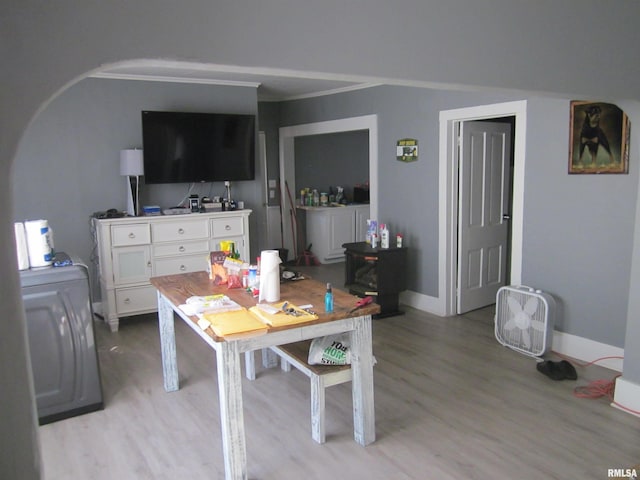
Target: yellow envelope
{"type": "Point", "coordinates": [234, 323]}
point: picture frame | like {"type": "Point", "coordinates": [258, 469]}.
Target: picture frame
{"type": "Point", "coordinates": [599, 138]}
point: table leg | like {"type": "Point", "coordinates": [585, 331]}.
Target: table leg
{"type": "Point", "coordinates": [269, 359]}
{"type": "Point", "coordinates": [364, 423]}
{"type": "Point", "coordinates": [168, 344]}
{"type": "Point", "coordinates": [250, 365]}
{"type": "Point", "coordinates": [231, 414]}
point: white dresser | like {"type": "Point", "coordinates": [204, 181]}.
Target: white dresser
{"type": "Point", "coordinates": [133, 249]}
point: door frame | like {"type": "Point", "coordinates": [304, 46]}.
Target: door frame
{"type": "Point", "coordinates": [448, 201]}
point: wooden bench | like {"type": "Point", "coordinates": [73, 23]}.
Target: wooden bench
{"type": "Point", "coordinates": [321, 376]}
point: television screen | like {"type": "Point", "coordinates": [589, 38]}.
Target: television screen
{"type": "Point", "coordinates": [181, 147]}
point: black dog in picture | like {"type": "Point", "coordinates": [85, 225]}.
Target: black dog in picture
{"type": "Point", "coordinates": [592, 136]}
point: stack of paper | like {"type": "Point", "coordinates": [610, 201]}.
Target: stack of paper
{"type": "Point", "coordinates": [280, 317]}
{"type": "Point", "coordinates": [209, 304]}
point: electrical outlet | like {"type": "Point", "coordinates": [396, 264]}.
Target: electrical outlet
{"type": "Point", "coordinates": [272, 194]}
{"type": "Point", "coordinates": [272, 183]}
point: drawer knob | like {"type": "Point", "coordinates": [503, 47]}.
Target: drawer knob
{"type": "Point", "coordinates": [181, 231]}
{"type": "Point", "coordinates": [227, 227]}
{"type": "Point", "coordinates": [182, 268]}
{"type": "Point", "coordinates": [181, 248]}
{"type": "Point", "coordinates": [132, 235]}
{"type": "Point", "coordinates": [127, 300]}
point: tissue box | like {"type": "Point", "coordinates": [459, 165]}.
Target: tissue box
{"type": "Point", "coordinates": [151, 210]}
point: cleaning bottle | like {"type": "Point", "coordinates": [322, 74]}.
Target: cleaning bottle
{"type": "Point", "coordinates": [384, 236]}
{"type": "Point", "coordinates": [328, 299]}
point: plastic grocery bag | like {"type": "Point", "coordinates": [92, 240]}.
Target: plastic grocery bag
{"type": "Point", "coordinates": [330, 350]}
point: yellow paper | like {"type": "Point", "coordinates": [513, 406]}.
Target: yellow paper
{"type": "Point", "coordinates": [237, 322]}
{"type": "Point", "coordinates": [281, 318]}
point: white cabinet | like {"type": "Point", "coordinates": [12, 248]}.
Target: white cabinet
{"type": "Point", "coordinates": [328, 228]}
{"type": "Point", "coordinates": [133, 249]}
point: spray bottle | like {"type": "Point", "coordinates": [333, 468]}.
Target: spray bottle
{"type": "Point", "coordinates": [328, 299]}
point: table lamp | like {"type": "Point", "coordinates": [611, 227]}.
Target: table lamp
{"type": "Point", "coordinates": [132, 165]}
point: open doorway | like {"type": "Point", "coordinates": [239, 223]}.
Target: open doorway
{"type": "Point", "coordinates": [287, 159]}
{"type": "Point", "coordinates": [450, 121]}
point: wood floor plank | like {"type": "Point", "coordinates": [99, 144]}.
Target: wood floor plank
{"type": "Point", "coordinates": [450, 403]}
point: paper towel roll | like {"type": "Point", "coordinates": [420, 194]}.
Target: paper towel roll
{"type": "Point", "coordinates": [269, 276]}
{"type": "Point", "coordinates": [21, 246]}
{"type": "Point", "coordinates": [39, 243]}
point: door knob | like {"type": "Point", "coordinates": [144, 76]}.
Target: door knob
{"type": "Point", "coordinates": [506, 216]}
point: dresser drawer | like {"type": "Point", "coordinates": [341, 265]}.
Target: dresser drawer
{"type": "Point", "coordinates": [132, 234]}
{"type": "Point", "coordinates": [224, 227]}
{"type": "Point", "coordinates": [179, 230]}
{"type": "Point", "coordinates": [181, 248]}
{"type": "Point", "coordinates": [136, 299]}
{"type": "Point", "coordinates": [182, 264]}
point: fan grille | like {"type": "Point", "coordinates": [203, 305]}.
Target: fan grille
{"type": "Point", "coordinates": [522, 320]}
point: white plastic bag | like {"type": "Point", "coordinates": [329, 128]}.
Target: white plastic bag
{"type": "Point", "coordinates": [330, 350]}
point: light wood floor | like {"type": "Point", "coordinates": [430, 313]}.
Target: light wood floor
{"type": "Point", "coordinates": [451, 403]}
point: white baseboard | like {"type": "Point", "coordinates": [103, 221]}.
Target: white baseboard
{"type": "Point", "coordinates": [572, 346]}
{"type": "Point", "coordinates": [627, 396]}
{"type": "Point", "coordinates": [422, 302]}
{"type": "Point", "coordinates": [587, 350]}
{"type": "Point", "coordinates": [97, 308]}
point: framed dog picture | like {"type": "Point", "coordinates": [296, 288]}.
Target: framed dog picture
{"type": "Point", "coordinates": [599, 138]}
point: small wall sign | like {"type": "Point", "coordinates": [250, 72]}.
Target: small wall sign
{"type": "Point", "coordinates": [407, 150]}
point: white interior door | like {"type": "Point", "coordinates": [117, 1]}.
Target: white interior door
{"type": "Point", "coordinates": [483, 212]}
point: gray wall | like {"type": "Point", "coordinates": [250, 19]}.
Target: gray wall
{"type": "Point", "coordinates": [67, 167]}
{"type": "Point", "coordinates": [330, 160]}
{"type": "Point", "coordinates": [497, 44]}
{"type": "Point", "coordinates": [578, 230]}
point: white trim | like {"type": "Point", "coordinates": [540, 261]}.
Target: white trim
{"type": "Point", "coordinates": [287, 157]}
{"type": "Point", "coordinates": [233, 83]}
{"type": "Point", "coordinates": [425, 303]}
{"type": "Point", "coordinates": [172, 79]}
{"type": "Point", "coordinates": [627, 394]}
{"type": "Point", "coordinates": [112, 70]}
{"type": "Point", "coordinates": [333, 91]}
{"type": "Point", "coordinates": [448, 213]}
{"type": "Point", "coordinates": [587, 350]}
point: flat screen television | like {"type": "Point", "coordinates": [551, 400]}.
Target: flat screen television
{"type": "Point", "coordinates": [183, 147]}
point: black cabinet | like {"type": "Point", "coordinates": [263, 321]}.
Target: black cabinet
{"type": "Point", "coordinates": [379, 272]}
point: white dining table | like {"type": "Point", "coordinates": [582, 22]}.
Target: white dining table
{"type": "Point", "coordinates": [173, 290]}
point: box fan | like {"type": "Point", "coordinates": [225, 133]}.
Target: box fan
{"type": "Point", "coordinates": [524, 319]}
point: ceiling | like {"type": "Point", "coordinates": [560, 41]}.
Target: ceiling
{"type": "Point", "coordinates": [271, 84]}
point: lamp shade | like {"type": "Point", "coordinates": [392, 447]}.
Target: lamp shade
{"type": "Point", "coordinates": [131, 163]}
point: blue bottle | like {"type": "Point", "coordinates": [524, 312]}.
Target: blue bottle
{"type": "Point", "coordinates": [328, 299]}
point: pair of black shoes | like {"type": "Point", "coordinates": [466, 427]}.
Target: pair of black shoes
{"type": "Point", "coordinates": [561, 370]}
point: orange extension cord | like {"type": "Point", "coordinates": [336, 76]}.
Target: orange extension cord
{"type": "Point", "coordinates": [598, 388]}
